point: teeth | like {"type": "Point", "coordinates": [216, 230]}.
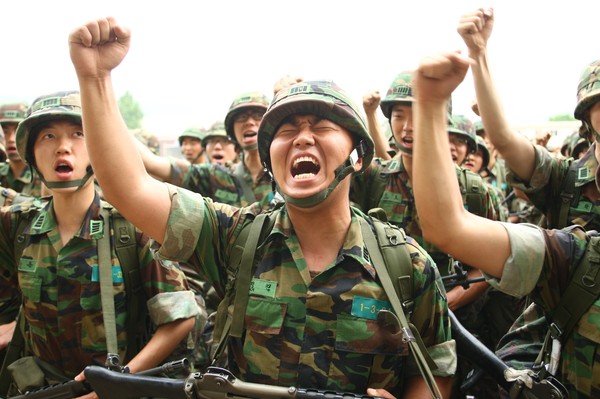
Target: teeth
{"type": "Point", "coordinates": [304, 176]}
{"type": "Point", "coordinates": [305, 159]}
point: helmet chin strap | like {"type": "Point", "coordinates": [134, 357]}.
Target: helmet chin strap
{"type": "Point", "coordinates": [68, 184]}
{"type": "Point", "coordinates": [340, 174]}
{"type": "Point", "coordinates": [250, 147]}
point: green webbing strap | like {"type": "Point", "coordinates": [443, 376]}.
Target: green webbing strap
{"type": "Point", "coordinates": [246, 189]}
{"type": "Point", "coordinates": [583, 290]}
{"type": "Point", "coordinates": [126, 249]}
{"type": "Point", "coordinates": [567, 194]}
{"type": "Point", "coordinates": [472, 192]}
{"type": "Point", "coordinates": [244, 276]}
{"type": "Point", "coordinates": [14, 352]}
{"type": "Point", "coordinates": [409, 331]}
{"type": "Point", "coordinates": [106, 285]}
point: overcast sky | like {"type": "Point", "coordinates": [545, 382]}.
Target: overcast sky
{"type": "Point", "coordinates": [189, 59]}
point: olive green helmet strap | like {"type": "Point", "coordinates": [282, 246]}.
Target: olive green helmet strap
{"type": "Point", "coordinates": [250, 147]}
{"type": "Point", "coordinates": [340, 174]}
{"type": "Point", "coordinates": [68, 184]}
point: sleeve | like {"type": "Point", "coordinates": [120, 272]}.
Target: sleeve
{"type": "Point", "coordinates": [10, 296]}
{"type": "Point", "coordinates": [179, 171]}
{"type": "Point", "coordinates": [430, 315]}
{"type": "Point", "coordinates": [523, 267]}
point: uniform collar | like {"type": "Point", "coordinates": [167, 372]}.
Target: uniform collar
{"type": "Point", "coordinates": [586, 167]}
{"type": "Point", "coordinates": [46, 220]}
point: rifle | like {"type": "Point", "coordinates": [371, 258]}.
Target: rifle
{"type": "Point", "coordinates": [215, 383]}
{"type": "Point", "coordinates": [525, 384]}
{"type": "Point", "coordinates": [73, 389]}
{"type": "Point", "coordinates": [459, 278]}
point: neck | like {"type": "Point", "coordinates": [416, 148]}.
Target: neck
{"type": "Point", "coordinates": [322, 229]}
{"type": "Point", "coordinates": [70, 207]}
{"type": "Point", "coordinates": [253, 163]}
{"type": "Point", "coordinates": [408, 166]}
{"type": "Point", "coordinates": [17, 167]}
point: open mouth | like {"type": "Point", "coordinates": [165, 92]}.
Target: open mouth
{"type": "Point", "coordinates": [408, 141]}
{"type": "Point", "coordinates": [250, 134]}
{"type": "Point", "coordinates": [63, 169]}
{"type": "Point", "coordinates": [305, 168]}
{"type": "Point", "coordinates": [217, 157]}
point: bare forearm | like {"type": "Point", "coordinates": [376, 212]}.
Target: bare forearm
{"type": "Point", "coordinates": [382, 146]}
{"type": "Point", "coordinates": [164, 341]}
{"type": "Point", "coordinates": [514, 148]}
{"type": "Point", "coordinates": [416, 388]}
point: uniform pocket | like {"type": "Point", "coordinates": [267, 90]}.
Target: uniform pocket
{"type": "Point", "coordinates": [265, 316]}
{"type": "Point", "coordinates": [31, 286]}
{"type": "Point", "coordinates": [360, 335]}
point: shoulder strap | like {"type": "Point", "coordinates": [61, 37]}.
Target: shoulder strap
{"type": "Point", "coordinates": [106, 285]}
{"type": "Point", "coordinates": [569, 194]}
{"type": "Point", "coordinates": [126, 249]}
{"type": "Point", "coordinates": [230, 317]}
{"type": "Point", "coordinates": [471, 185]}
{"type": "Point", "coordinates": [396, 281]}
{"type": "Point", "coordinates": [583, 290]}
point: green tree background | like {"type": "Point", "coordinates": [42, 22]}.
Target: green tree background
{"type": "Point", "coordinates": [131, 111]}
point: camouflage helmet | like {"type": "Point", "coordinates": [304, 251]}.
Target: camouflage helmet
{"type": "Point", "coordinates": [148, 139]}
{"type": "Point", "coordinates": [195, 132]}
{"type": "Point", "coordinates": [485, 151]}
{"type": "Point", "coordinates": [588, 89]}
{"type": "Point", "coordinates": [479, 129]}
{"type": "Point", "coordinates": [13, 112]}
{"type": "Point", "coordinates": [216, 130]}
{"type": "Point", "coordinates": [322, 98]}
{"type": "Point", "coordinates": [400, 92]}
{"type": "Point", "coordinates": [463, 126]}
{"type": "Point", "coordinates": [241, 103]}
{"type": "Point", "coordinates": [58, 105]}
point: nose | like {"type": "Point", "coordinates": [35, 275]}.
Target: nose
{"type": "Point", "coordinates": [304, 137]}
{"type": "Point", "coordinates": [408, 125]}
{"type": "Point", "coordinates": [63, 145]}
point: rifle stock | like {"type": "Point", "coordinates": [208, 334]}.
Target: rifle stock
{"type": "Point", "coordinates": [64, 390]}
{"type": "Point", "coordinates": [216, 383]}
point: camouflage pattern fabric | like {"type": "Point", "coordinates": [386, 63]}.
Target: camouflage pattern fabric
{"type": "Point", "coordinates": [541, 264]}
{"type": "Point", "coordinates": [544, 189]}
{"type": "Point", "coordinates": [219, 183]}
{"type": "Point", "coordinates": [61, 292]}
{"type": "Point", "coordinates": [27, 183]}
{"type": "Point", "coordinates": [148, 139]}
{"type": "Point", "coordinates": [319, 332]}
{"type": "Point", "coordinates": [397, 199]}
{"type": "Point", "coordinates": [496, 176]}
{"type": "Point", "coordinates": [496, 201]}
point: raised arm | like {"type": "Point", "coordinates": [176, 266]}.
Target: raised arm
{"type": "Point", "coordinates": [97, 48]}
{"type": "Point", "coordinates": [476, 28]}
{"type": "Point", "coordinates": [445, 223]}
{"type": "Point", "coordinates": [371, 101]}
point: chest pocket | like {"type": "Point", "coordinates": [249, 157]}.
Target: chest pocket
{"type": "Point", "coordinates": [366, 336]}
{"type": "Point", "coordinates": [29, 281]}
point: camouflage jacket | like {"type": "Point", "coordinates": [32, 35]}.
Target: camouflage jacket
{"type": "Point", "coordinates": [541, 264]}
{"type": "Point", "coordinates": [318, 332]}
{"type": "Point", "coordinates": [28, 183]}
{"type": "Point", "coordinates": [546, 185]}
{"type": "Point", "coordinates": [398, 201]}
{"type": "Point", "coordinates": [61, 291]}
{"type": "Point", "coordinates": [496, 176]}
{"type": "Point", "coordinates": [220, 184]}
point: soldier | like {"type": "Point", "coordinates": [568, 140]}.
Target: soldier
{"type": "Point", "coordinates": [387, 184]}
{"type": "Point", "coordinates": [461, 135]}
{"type": "Point", "coordinates": [521, 259]}
{"type": "Point", "coordinates": [545, 179]}
{"type": "Point", "coordinates": [67, 326]}
{"type": "Point", "coordinates": [299, 327]}
{"type": "Point", "coordinates": [219, 147]}
{"type": "Point", "coordinates": [478, 162]}
{"type": "Point", "coordinates": [191, 145]}
{"type": "Point", "coordinates": [237, 184]}
{"type": "Point", "coordinates": [15, 174]}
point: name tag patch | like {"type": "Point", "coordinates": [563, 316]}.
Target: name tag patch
{"type": "Point", "coordinates": [368, 308]}
{"type": "Point", "coordinates": [263, 287]}
{"type": "Point", "coordinates": [117, 274]}
{"type": "Point", "coordinates": [27, 265]}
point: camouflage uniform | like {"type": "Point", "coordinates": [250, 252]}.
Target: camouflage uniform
{"type": "Point", "coordinates": [27, 183]}
{"type": "Point", "coordinates": [62, 305]}
{"type": "Point", "coordinates": [220, 183]}
{"type": "Point", "coordinates": [540, 265]}
{"type": "Point", "coordinates": [310, 332]}
{"type": "Point", "coordinates": [544, 188]}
